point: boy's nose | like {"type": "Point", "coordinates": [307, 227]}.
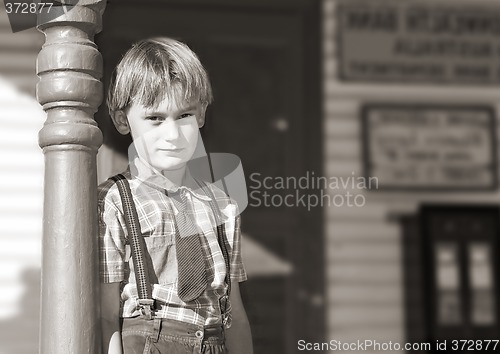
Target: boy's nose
{"type": "Point", "coordinates": [170, 130]}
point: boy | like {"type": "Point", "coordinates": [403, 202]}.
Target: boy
{"type": "Point", "coordinates": [159, 95]}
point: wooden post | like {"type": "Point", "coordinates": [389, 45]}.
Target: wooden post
{"type": "Point", "coordinates": [70, 67]}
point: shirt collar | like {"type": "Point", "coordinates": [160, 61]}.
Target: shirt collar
{"type": "Point", "coordinates": [143, 171]}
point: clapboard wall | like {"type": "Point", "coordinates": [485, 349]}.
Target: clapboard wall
{"type": "Point", "coordinates": [18, 52]}
{"type": "Point", "coordinates": [21, 186]}
{"type": "Point", "coordinates": [365, 293]}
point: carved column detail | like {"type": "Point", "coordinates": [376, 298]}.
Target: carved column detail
{"type": "Point", "coordinates": [70, 67]}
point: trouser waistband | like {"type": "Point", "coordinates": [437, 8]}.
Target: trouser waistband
{"type": "Point", "coordinates": [173, 328]}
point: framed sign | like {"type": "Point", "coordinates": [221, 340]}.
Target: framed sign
{"type": "Point", "coordinates": [419, 41]}
{"type": "Point", "coordinates": [430, 147]}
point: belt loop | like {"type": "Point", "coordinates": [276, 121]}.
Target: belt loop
{"type": "Point", "coordinates": [156, 329]}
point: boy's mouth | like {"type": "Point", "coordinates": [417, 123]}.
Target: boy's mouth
{"type": "Point", "coordinates": [171, 150]}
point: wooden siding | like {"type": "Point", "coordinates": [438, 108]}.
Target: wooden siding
{"type": "Point", "coordinates": [21, 188]}
{"type": "Point", "coordinates": [18, 52]}
{"type": "Point", "coordinates": [364, 265]}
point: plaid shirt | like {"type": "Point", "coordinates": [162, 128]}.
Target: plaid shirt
{"type": "Point", "coordinates": [158, 229]}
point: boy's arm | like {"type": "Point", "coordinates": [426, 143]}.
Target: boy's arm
{"type": "Point", "coordinates": [238, 337]}
{"type": "Point", "coordinates": [110, 318]}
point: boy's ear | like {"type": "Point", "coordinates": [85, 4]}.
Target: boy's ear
{"type": "Point", "coordinates": [120, 121]}
{"type": "Point", "coordinates": [201, 117]}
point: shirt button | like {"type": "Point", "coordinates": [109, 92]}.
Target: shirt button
{"type": "Point", "coordinates": [199, 334]}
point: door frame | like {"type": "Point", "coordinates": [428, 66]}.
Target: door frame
{"type": "Point", "coordinates": [308, 287]}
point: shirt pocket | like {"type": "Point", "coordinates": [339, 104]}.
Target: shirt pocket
{"type": "Point", "coordinates": [163, 258]}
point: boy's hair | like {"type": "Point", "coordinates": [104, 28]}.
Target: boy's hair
{"type": "Point", "coordinates": [155, 69]}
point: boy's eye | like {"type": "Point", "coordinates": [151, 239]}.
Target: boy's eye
{"type": "Point", "coordinates": [154, 118]}
{"type": "Point", "coordinates": [186, 115]}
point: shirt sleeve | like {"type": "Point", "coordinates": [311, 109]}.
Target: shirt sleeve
{"type": "Point", "coordinates": [111, 239]}
{"type": "Point", "coordinates": [238, 272]}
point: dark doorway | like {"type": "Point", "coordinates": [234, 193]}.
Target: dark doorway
{"type": "Point", "coordinates": [452, 277]}
{"type": "Point", "coordinates": [263, 60]}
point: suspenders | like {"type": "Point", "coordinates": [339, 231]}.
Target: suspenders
{"type": "Point", "coordinates": [139, 250]}
{"type": "Point", "coordinates": [137, 245]}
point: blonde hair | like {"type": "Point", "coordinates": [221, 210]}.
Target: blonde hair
{"type": "Point", "coordinates": [155, 69]}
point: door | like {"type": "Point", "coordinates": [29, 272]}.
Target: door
{"type": "Point", "coordinates": [262, 58]}
{"type": "Point", "coordinates": [461, 257]}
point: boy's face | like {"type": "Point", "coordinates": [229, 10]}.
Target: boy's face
{"type": "Point", "coordinates": [165, 136]}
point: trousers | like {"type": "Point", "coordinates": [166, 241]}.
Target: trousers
{"type": "Point", "coordinates": [165, 336]}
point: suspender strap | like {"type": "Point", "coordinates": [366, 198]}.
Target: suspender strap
{"type": "Point", "coordinates": [138, 247]}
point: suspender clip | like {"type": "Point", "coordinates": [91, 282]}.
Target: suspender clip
{"type": "Point", "coordinates": [146, 308]}
{"type": "Point", "coordinates": [225, 306]}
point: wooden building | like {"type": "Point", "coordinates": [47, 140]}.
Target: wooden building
{"type": "Point", "coordinates": [303, 89]}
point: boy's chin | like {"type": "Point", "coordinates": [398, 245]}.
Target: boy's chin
{"type": "Point", "coordinates": [165, 167]}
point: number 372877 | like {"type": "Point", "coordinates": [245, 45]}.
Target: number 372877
{"type": "Point", "coordinates": [28, 7]}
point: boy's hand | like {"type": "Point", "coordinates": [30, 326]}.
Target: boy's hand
{"type": "Point", "coordinates": [239, 336]}
{"type": "Point", "coordinates": [110, 319]}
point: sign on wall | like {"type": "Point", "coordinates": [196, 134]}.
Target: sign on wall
{"type": "Point", "coordinates": [418, 41]}
{"type": "Point", "coordinates": [430, 147]}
